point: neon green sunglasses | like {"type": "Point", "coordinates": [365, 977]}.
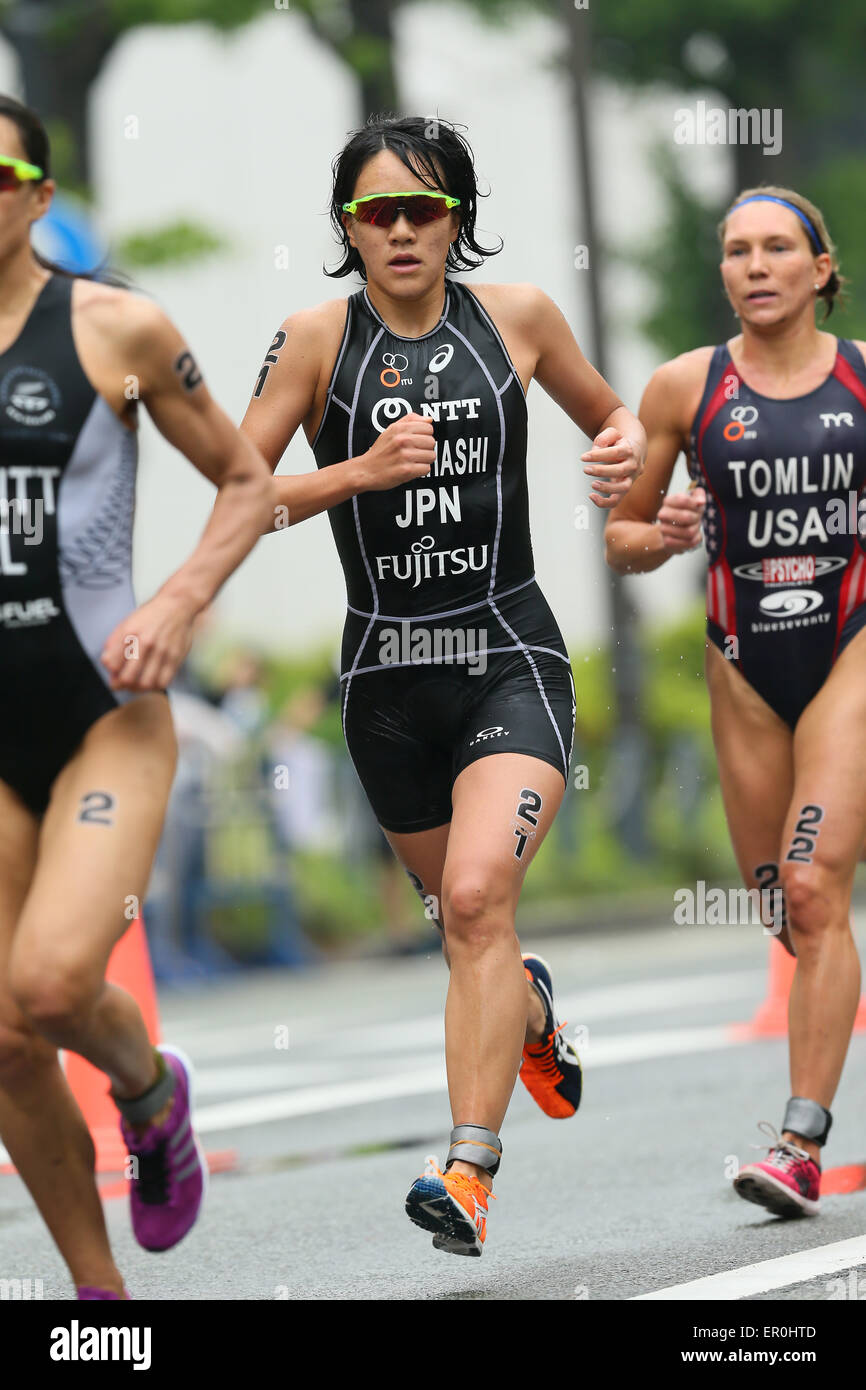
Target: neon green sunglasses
{"type": "Point", "coordinates": [16, 171]}
{"type": "Point", "coordinates": [381, 209]}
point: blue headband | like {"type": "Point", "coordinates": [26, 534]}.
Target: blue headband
{"type": "Point", "coordinates": [768, 198]}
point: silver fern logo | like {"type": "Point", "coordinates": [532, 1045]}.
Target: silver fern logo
{"type": "Point", "coordinates": [29, 396]}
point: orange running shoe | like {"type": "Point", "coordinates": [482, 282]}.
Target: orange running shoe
{"type": "Point", "coordinates": [451, 1205]}
{"type": "Point", "coordinates": [551, 1069]}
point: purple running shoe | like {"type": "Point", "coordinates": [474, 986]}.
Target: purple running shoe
{"type": "Point", "coordinates": [88, 1291]}
{"type": "Point", "coordinates": [167, 1192]}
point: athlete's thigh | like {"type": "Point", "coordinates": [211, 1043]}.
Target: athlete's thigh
{"type": "Point", "coordinates": [422, 855]}
{"type": "Point", "coordinates": [826, 823]}
{"type": "Point", "coordinates": [19, 833]}
{"type": "Point", "coordinates": [19, 837]}
{"type": "Point", "coordinates": [99, 837]}
{"type": "Point", "coordinates": [504, 805]}
{"type": "Point", "coordinates": [754, 749]}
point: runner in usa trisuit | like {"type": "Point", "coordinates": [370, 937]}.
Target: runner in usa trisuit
{"type": "Point", "coordinates": [87, 748]}
{"type": "Point", "coordinates": [457, 695]}
{"type": "Point", "coordinates": [774, 427]}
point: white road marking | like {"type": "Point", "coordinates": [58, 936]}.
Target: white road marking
{"type": "Point", "coordinates": [311, 1100]}
{"type": "Point", "coordinates": [256, 1110]}
{"type": "Point", "coordinates": [769, 1274]}
{"type": "Point", "coordinates": [619, 1048]}
{"type": "Point", "coordinates": [402, 1035]}
{"type": "Point", "coordinates": [422, 1080]}
{"type": "Point", "coordinates": [650, 997]}
{"type": "Point", "coordinates": [291, 1075]}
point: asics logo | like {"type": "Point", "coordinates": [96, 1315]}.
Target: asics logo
{"type": "Point", "coordinates": [439, 361]}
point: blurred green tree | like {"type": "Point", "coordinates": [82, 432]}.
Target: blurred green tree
{"type": "Point", "coordinates": [793, 56]}
{"type": "Point", "coordinates": [62, 45]}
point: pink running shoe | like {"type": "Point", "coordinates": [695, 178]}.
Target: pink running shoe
{"type": "Point", "coordinates": [787, 1182]}
{"type": "Point", "coordinates": [88, 1291]}
{"type": "Point", "coordinates": [167, 1194]}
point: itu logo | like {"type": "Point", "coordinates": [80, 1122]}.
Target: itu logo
{"type": "Point", "coordinates": [391, 374]}
{"type": "Point", "coordinates": [738, 426]}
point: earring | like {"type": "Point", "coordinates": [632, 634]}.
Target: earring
{"type": "Point", "coordinates": [817, 288]}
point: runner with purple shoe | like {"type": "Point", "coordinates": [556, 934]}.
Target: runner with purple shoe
{"type": "Point", "coordinates": [87, 747]}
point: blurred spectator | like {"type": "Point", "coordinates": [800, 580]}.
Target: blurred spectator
{"type": "Point", "coordinates": [302, 781]}
{"type": "Point", "coordinates": [206, 739]}
{"type": "Point", "coordinates": [243, 700]}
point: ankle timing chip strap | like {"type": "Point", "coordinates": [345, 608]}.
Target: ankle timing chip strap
{"type": "Point", "coordinates": [475, 1144]}
{"type": "Point", "coordinates": [140, 1109]}
{"type": "Point", "coordinates": [808, 1118]}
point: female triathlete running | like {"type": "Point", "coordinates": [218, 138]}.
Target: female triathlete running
{"type": "Point", "coordinates": [458, 700]}
{"type": "Point", "coordinates": [774, 426]}
{"type": "Point", "coordinates": [87, 749]}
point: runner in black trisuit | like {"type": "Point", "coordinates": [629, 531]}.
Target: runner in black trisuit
{"type": "Point", "coordinates": [87, 749]}
{"type": "Point", "coordinates": [457, 696]}
{"type": "Point", "coordinates": [774, 426]}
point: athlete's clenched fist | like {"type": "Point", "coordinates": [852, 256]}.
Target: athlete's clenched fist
{"type": "Point", "coordinates": [403, 451]}
{"type": "Point", "coordinates": [680, 518]}
{"type": "Point", "coordinates": [615, 461]}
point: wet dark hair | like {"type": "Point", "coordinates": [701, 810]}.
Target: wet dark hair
{"type": "Point", "coordinates": [434, 151]}
{"type": "Point", "coordinates": [37, 150]}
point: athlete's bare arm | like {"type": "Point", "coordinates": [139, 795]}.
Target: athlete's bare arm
{"type": "Point", "coordinates": [291, 391]}
{"type": "Point", "coordinates": [647, 527]}
{"type": "Point", "coordinates": [542, 346]}
{"type": "Point", "coordinates": [131, 350]}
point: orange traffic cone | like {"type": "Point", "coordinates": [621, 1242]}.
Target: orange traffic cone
{"type": "Point", "coordinates": [771, 1017]}
{"type": "Point", "coordinates": [129, 967]}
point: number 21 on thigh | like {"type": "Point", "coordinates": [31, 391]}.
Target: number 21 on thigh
{"type": "Point", "coordinates": [527, 812]}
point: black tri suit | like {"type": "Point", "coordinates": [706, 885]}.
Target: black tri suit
{"type": "Point", "coordinates": [450, 652]}
{"type": "Point", "coordinates": [67, 497]}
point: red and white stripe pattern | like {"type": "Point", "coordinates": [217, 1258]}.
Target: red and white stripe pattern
{"type": "Point", "coordinates": [853, 590]}
{"type": "Point", "coordinates": [721, 608]}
